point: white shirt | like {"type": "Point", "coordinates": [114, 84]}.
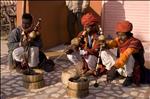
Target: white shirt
{"type": "Point", "coordinates": [77, 5]}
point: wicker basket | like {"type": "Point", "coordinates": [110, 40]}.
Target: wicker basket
{"type": "Point", "coordinates": [34, 85]}
{"type": "Point", "coordinates": [66, 74]}
{"type": "Point", "coordinates": [77, 94]}
{"type": "Point", "coordinates": [78, 89]}
{"type": "Point", "coordinates": [34, 78]}
{"type": "Point", "coordinates": [34, 81]}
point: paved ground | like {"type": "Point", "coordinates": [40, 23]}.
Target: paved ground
{"type": "Point", "coordinates": [12, 85]}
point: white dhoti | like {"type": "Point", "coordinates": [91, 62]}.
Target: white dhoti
{"type": "Point", "coordinates": [91, 61]}
{"type": "Point", "coordinates": [76, 58]}
{"type": "Point", "coordinates": [108, 58]}
{"type": "Point", "coordinates": [33, 55]}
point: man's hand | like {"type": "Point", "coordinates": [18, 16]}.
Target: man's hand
{"type": "Point", "coordinates": [83, 52]}
{"type": "Point", "coordinates": [75, 42]}
{"type": "Point", "coordinates": [70, 49]}
{"type": "Point", "coordinates": [24, 44]}
{"type": "Point", "coordinates": [111, 74]}
{"type": "Point", "coordinates": [24, 64]}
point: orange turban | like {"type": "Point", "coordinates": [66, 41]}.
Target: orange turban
{"type": "Point", "coordinates": [124, 26]}
{"type": "Point", "coordinates": [88, 19]}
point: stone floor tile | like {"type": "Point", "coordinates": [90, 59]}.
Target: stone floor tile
{"type": "Point", "coordinates": [94, 91]}
{"type": "Point", "coordinates": [101, 94]}
{"type": "Point", "coordinates": [30, 94]}
{"type": "Point", "coordinates": [107, 88]}
{"type": "Point", "coordinates": [25, 98]}
{"type": "Point", "coordinates": [119, 92]}
{"type": "Point", "coordinates": [99, 98]}
{"type": "Point", "coordinates": [7, 93]}
{"type": "Point", "coordinates": [20, 93]}
{"type": "Point", "coordinates": [14, 98]}
{"type": "Point", "coordinates": [42, 96]}
{"type": "Point", "coordinates": [116, 88]}
{"type": "Point", "coordinates": [51, 90]}
{"type": "Point", "coordinates": [15, 85]}
{"type": "Point", "coordinates": [56, 95]}
{"type": "Point", "coordinates": [8, 89]}
{"type": "Point", "coordinates": [141, 95]}
{"type": "Point", "coordinates": [134, 93]}
{"type": "Point", "coordinates": [124, 95]}
{"type": "Point", "coordinates": [58, 84]}
{"type": "Point", "coordinates": [109, 92]}
{"type": "Point", "coordinates": [90, 97]}
{"type": "Point", "coordinates": [62, 91]}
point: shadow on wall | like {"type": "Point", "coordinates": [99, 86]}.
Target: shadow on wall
{"type": "Point", "coordinates": [54, 20]}
{"type": "Point", "coordinates": [113, 11]}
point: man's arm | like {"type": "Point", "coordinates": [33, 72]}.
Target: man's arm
{"type": "Point", "coordinates": [14, 39]}
{"type": "Point", "coordinates": [112, 43]}
{"type": "Point", "coordinates": [124, 57]}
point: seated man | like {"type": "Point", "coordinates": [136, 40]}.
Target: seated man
{"type": "Point", "coordinates": [87, 46]}
{"type": "Point", "coordinates": [130, 60]}
{"type": "Point", "coordinates": [19, 49]}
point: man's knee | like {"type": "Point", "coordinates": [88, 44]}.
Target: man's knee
{"type": "Point", "coordinates": [16, 54]}
{"type": "Point", "coordinates": [34, 51]}
{"type": "Point", "coordinates": [103, 54]}
{"type": "Point", "coordinates": [131, 61]}
{"type": "Point", "coordinates": [92, 60]}
{"type": "Point", "coordinates": [129, 66]}
{"type": "Point", "coordinates": [108, 59]}
{"type": "Point", "coordinates": [73, 58]}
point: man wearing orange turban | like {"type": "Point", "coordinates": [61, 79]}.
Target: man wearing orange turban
{"type": "Point", "coordinates": [88, 46]}
{"type": "Point", "coordinates": [130, 60]}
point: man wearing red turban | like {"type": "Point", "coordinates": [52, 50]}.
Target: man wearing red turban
{"type": "Point", "coordinates": [130, 60]}
{"type": "Point", "coordinates": [88, 20]}
{"type": "Point", "coordinates": [88, 46]}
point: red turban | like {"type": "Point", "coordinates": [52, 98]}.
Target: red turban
{"type": "Point", "coordinates": [88, 19]}
{"type": "Point", "coordinates": [124, 26]}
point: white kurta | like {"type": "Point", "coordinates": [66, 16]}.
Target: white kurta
{"type": "Point", "coordinates": [33, 58]}
{"type": "Point", "coordinates": [76, 58]}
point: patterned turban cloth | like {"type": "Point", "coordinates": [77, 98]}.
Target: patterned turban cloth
{"type": "Point", "coordinates": [88, 19]}
{"type": "Point", "coordinates": [124, 26]}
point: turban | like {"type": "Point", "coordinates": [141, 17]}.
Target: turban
{"type": "Point", "coordinates": [88, 19]}
{"type": "Point", "coordinates": [124, 26]}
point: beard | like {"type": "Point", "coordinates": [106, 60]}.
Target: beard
{"type": "Point", "coordinates": [29, 29]}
